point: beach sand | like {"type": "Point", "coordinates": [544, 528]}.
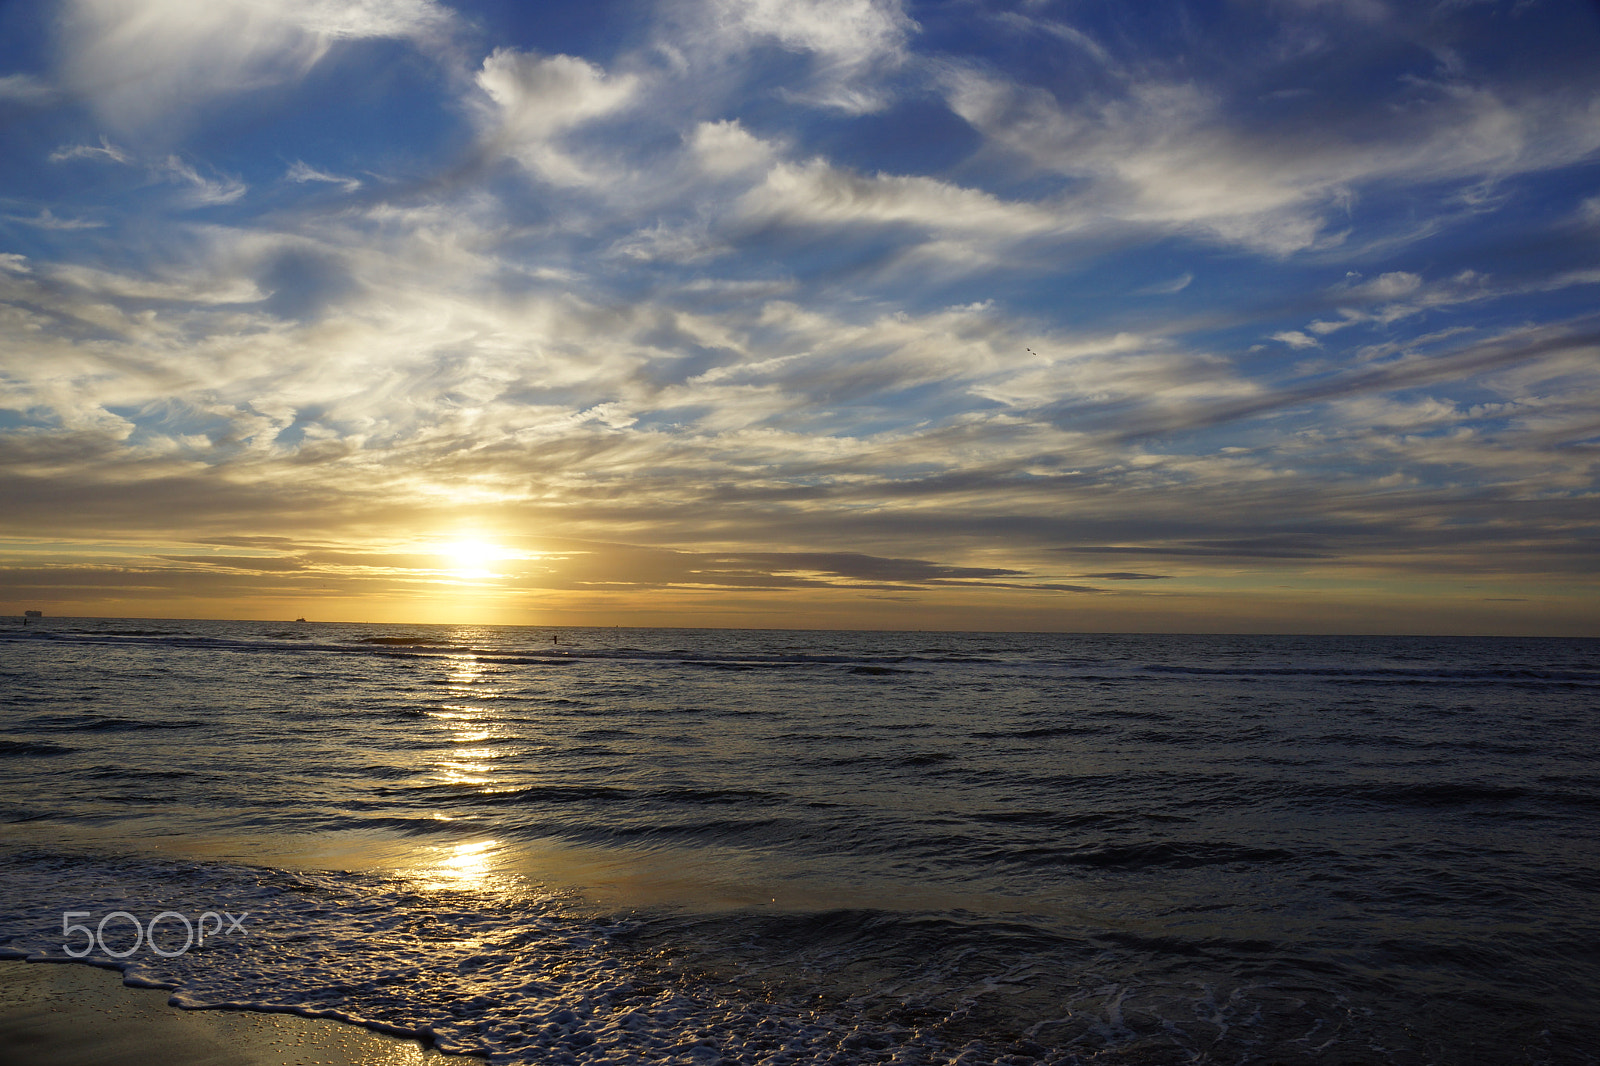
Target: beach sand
{"type": "Point", "coordinates": [70, 1015]}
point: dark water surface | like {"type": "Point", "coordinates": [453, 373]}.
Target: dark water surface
{"type": "Point", "coordinates": [798, 847]}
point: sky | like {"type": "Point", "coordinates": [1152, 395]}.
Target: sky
{"type": "Point", "coordinates": [1090, 315]}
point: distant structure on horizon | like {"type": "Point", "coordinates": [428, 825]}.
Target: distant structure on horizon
{"type": "Point", "coordinates": [33, 614]}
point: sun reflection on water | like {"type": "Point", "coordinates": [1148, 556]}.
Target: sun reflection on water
{"type": "Point", "coordinates": [468, 724]}
{"type": "Point", "coordinates": [461, 866]}
{"type": "Point", "coordinates": [469, 757]}
{"type": "Point", "coordinates": [466, 670]}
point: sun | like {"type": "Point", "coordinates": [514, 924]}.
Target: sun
{"type": "Point", "coordinates": [471, 558]}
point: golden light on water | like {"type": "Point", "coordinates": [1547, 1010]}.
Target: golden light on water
{"type": "Point", "coordinates": [469, 865]}
{"type": "Point", "coordinates": [463, 763]}
{"type": "Point", "coordinates": [469, 862]}
{"type": "Point", "coordinates": [469, 760]}
{"type": "Point", "coordinates": [465, 670]}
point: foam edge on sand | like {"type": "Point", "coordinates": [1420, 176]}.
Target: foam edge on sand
{"type": "Point", "coordinates": [77, 1015]}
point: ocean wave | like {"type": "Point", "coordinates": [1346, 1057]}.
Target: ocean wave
{"type": "Point", "coordinates": [32, 747]}
{"type": "Point", "coordinates": [1421, 674]}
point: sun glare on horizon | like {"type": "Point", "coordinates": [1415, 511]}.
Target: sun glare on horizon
{"type": "Point", "coordinates": [472, 559]}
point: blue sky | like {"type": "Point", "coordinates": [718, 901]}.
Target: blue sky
{"type": "Point", "coordinates": [1261, 315]}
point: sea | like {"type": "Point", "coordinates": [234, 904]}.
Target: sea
{"type": "Point", "coordinates": [619, 846]}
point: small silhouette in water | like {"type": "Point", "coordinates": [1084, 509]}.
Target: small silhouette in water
{"type": "Point", "coordinates": [554, 639]}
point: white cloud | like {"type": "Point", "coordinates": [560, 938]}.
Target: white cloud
{"type": "Point", "coordinates": [850, 41]}
{"type": "Point", "coordinates": [1400, 294]}
{"type": "Point", "coordinates": [851, 32]}
{"type": "Point", "coordinates": [1065, 32]}
{"type": "Point", "coordinates": [1084, 374]}
{"type": "Point", "coordinates": [727, 148]}
{"type": "Point", "coordinates": [203, 191]}
{"type": "Point", "coordinates": [1166, 288]}
{"type": "Point", "coordinates": [1169, 155]}
{"type": "Point", "coordinates": [1590, 276]}
{"type": "Point", "coordinates": [25, 89]}
{"type": "Point", "coordinates": [1347, 317]}
{"type": "Point", "coordinates": [1388, 286]}
{"type": "Point", "coordinates": [538, 99]}
{"type": "Point", "coordinates": [669, 244]}
{"type": "Point", "coordinates": [1158, 157]}
{"type": "Point", "coordinates": [104, 150]}
{"type": "Point", "coordinates": [363, 18]}
{"type": "Point", "coordinates": [146, 63]}
{"type": "Point", "coordinates": [818, 193]}
{"type": "Point", "coordinates": [45, 219]}
{"type": "Point", "coordinates": [196, 289]}
{"type": "Point", "coordinates": [1295, 339]}
{"type": "Point", "coordinates": [303, 172]}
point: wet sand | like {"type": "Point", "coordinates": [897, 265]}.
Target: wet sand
{"type": "Point", "coordinates": [72, 1015]}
